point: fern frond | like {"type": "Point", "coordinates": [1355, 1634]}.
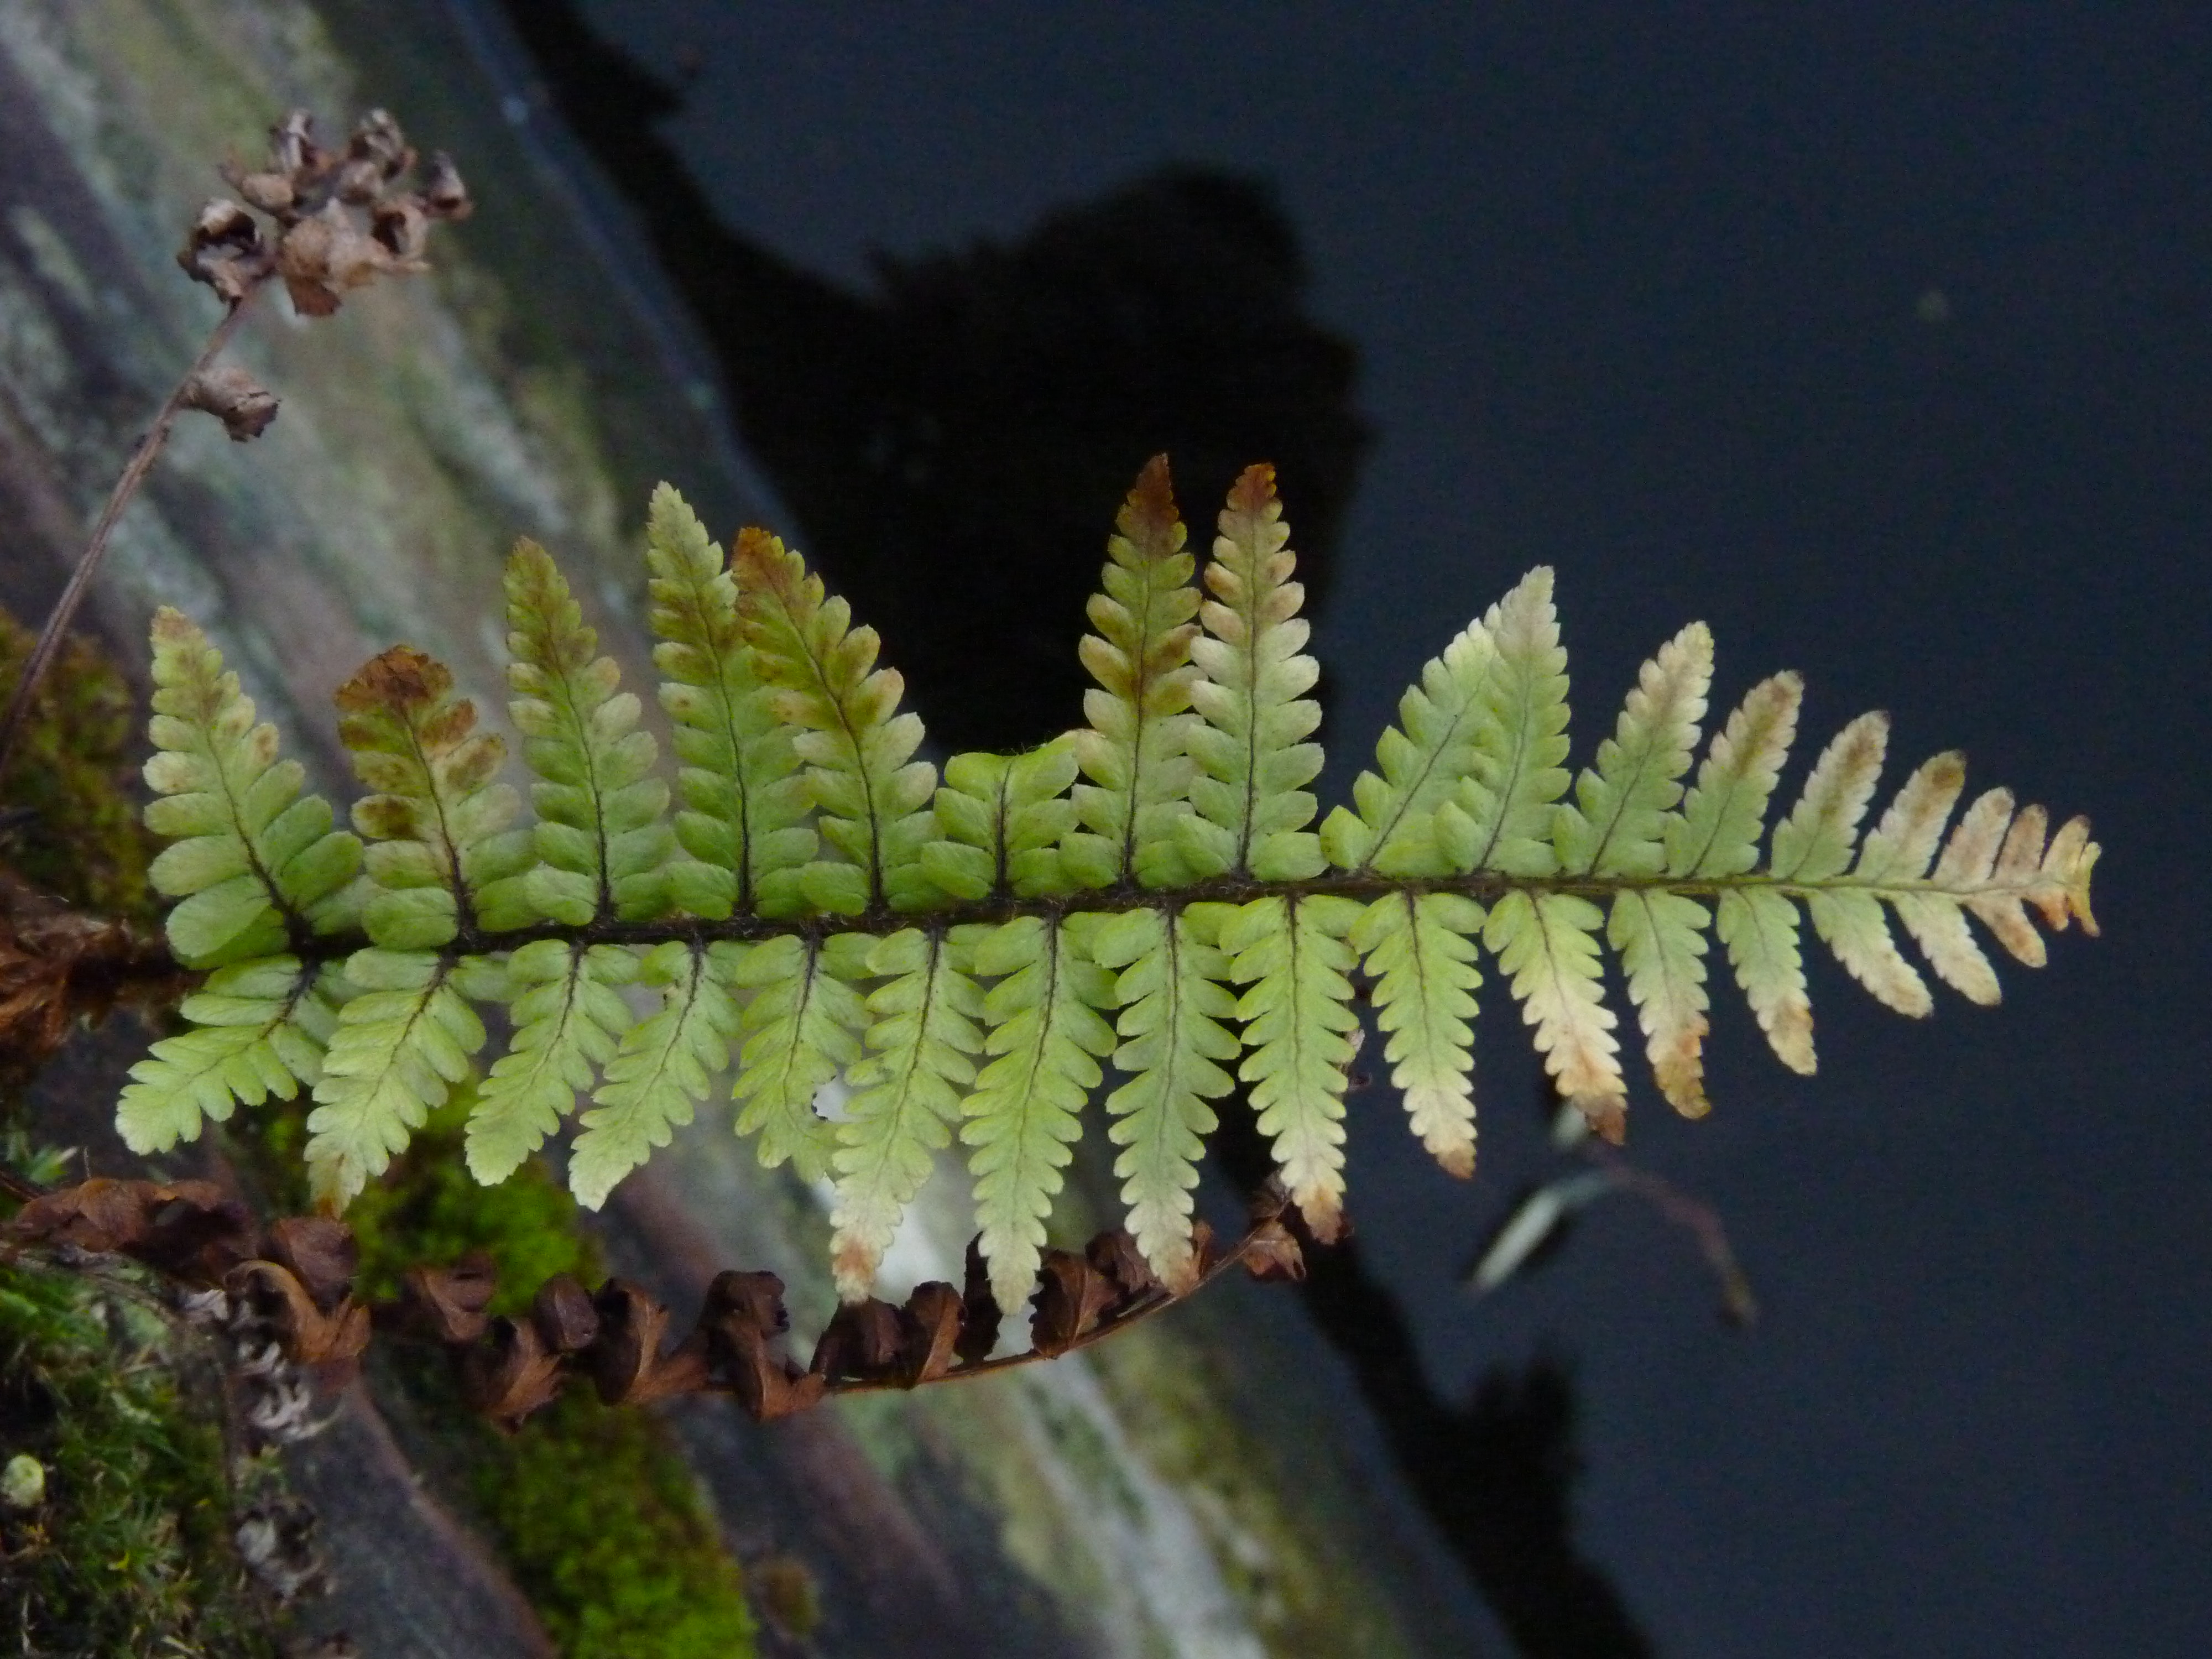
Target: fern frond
{"type": "Point", "coordinates": [1661, 939]}
{"type": "Point", "coordinates": [1501, 818]}
{"type": "Point", "coordinates": [1134, 751]}
{"type": "Point", "coordinates": [1619, 825]}
{"type": "Point", "coordinates": [966, 951]}
{"type": "Point", "coordinates": [1251, 804]}
{"type": "Point", "coordinates": [1419, 950]}
{"type": "Point", "coordinates": [1758, 926]}
{"type": "Point", "coordinates": [1716, 832]}
{"type": "Point", "coordinates": [801, 1029]}
{"type": "Point", "coordinates": [744, 801]}
{"type": "Point", "coordinates": [873, 794]}
{"type": "Point", "coordinates": [600, 835]}
{"type": "Point", "coordinates": [1045, 1040]}
{"type": "Point", "coordinates": [1291, 956]}
{"type": "Point", "coordinates": [1614, 827]}
{"type": "Point", "coordinates": [1173, 1042]}
{"type": "Point", "coordinates": [1548, 942]}
{"type": "Point", "coordinates": [254, 861]}
{"type": "Point", "coordinates": [921, 1040]}
{"type": "Point", "coordinates": [261, 1026]}
{"type": "Point", "coordinates": [1422, 761]}
{"type": "Point", "coordinates": [401, 1042]}
{"type": "Point", "coordinates": [1001, 819]}
{"type": "Point", "coordinates": [568, 1021]}
{"type": "Point", "coordinates": [660, 1071]}
{"type": "Point", "coordinates": [434, 825]}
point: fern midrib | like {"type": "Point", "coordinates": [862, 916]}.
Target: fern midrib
{"type": "Point", "coordinates": [1481, 885]}
{"type": "Point", "coordinates": [297, 934]}
{"type": "Point", "coordinates": [579, 730]}
{"type": "Point", "coordinates": [464, 909]}
{"type": "Point", "coordinates": [725, 654]}
{"type": "Point", "coordinates": [1148, 636]}
{"type": "Point", "coordinates": [900, 1088]}
{"type": "Point", "coordinates": [878, 901]}
{"type": "Point", "coordinates": [1624, 797]}
{"type": "Point", "coordinates": [1509, 778]}
{"type": "Point", "coordinates": [673, 1041]}
{"type": "Point", "coordinates": [1242, 864]}
{"type": "Point", "coordinates": [544, 1055]}
{"type": "Point", "coordinates": [1431, 761]}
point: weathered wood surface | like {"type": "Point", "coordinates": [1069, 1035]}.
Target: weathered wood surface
{"type": "Point", "coordinates": [1195, 1487]}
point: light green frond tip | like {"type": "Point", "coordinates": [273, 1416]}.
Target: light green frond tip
{"type": "Point", "coordinates": [601, 841]}
{"type": "Point", "coordinates": [402, 1042]}
{"type": "Point", "coordinates": [1300, 1034]}
{"type": "Point", "coordinates": [921, 1041]}
{"type": "Point", "coordinates": [1134, 751]}
{"type": "Point", "coordinates": [661, 1070]}
{"type": "Point", "coordinates": [743, 823]}
{"type": "Point", "coordinates": [827, 923]}
{"type": "Point", "coordinates": [259, 1028]}
{"type": "Point", "coordinates": [1022, 1117]}
{"type": "Point", "coordinates": [1173, 1046]}
{"type": "Point", "coordinates": [872, 795]}
{"type": "Point", "coordinates": [1249, 741]}
{"type": "Point", "coordinates": [253, 860]}
{"type": "Point", "coordinates": [569, 1017]}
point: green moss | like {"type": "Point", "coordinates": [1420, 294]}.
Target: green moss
{"type": "Point", "coordinates": [607, 1536]}
{"type": "Point", "coordinates": [592, 1510]}
{"type": "Point", "coordinates": [430, 1209]}
{"type": "Point", "coordinates": [129, 1552]}
{"type": "Point", "coordinates": [73, 829]}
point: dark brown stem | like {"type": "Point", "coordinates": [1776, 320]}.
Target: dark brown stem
{"type": "Point", "coordinates": [126, 488]}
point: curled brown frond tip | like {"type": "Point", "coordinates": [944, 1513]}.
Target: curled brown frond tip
{"type": "Point", "coordinates": [400, 678]}
{"type": "Point", "coordinates": [1255, 488]}
{"type": "Point", "coordinates": [1150, 513]}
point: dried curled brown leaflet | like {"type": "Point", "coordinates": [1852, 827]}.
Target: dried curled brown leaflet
{"type": "Point", "coordinates": [295, 1279]}
{"type": "Point", "coordinates": [61, 967]}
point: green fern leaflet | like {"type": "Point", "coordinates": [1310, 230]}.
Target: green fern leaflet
{"type": "Point", "coordinates": [1142, 914]}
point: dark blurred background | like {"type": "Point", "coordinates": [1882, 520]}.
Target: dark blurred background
{"type": "Point", "coordinates": [1876, 338]}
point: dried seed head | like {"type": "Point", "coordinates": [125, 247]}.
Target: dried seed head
{"type": "Point", "coordinates": [226, 250]}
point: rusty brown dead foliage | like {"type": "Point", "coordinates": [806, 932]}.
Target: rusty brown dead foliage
{"type": "Point", "coordinates": [293, 1281]}
{"type": "Point", "coordinates": [62, 968]}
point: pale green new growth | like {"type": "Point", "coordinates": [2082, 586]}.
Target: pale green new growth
{"type": "Point", "coordinates": [601, 841]}
{"type": "Point", "coordinates": [404, 1039]}
{"type": "Point", "coordinates": [872, 796]}
{"type": "Point", "coordinates": [1419, 950]}
{"type": "Point", "coordinates": [922, 1038]}
{"type": "Point", "coordinates": [1023, 1114]}
{"type": "Point", "coordinates": [1134, 751]}
{"type": "Point", "coordinates": [1253, 763]}
{"type": "Point", "coordinates": [257, 870]}
{"type": "Point", "coordinates": [663, 1068]}
{"type": "Point", "coordinates": [1146, 891]}
{"type": "Point", "coordinates": [1290, 954]}
{"type": "Point", "coordinates": [258, 1029]}
{"type": "Point", "coordinates": [253, 860]}
{"type": "Point", "coordinates": [568, 1020]}
{"type": "Point", "coordinates": [744, 803]}
{"type": "Point", "coordinates": [1172, 1002]}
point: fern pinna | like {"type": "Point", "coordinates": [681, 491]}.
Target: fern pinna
{"type": "Point", "coordinates": [973, 951]}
